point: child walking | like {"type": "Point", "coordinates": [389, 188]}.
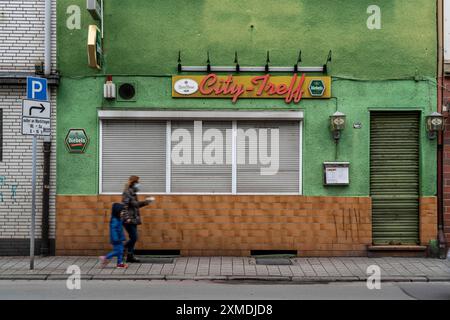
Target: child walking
{"type": "Point", "coordinates": [117, 237]}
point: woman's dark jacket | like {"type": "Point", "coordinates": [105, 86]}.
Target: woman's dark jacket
{"type": "Point", "coordinates": [131, 202]}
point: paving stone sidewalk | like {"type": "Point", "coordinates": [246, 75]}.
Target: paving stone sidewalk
{"type": "Point", "coordinates": [231, 269]}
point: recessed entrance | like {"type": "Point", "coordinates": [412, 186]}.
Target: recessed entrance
{"type": "Point", "coordinates": [394, 177]}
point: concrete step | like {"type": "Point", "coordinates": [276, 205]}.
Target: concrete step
{"type": "Point", "coordinates": [397, 251]}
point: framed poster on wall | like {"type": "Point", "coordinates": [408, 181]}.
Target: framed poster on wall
{"type": "Point", "coordinates": [336, 173]}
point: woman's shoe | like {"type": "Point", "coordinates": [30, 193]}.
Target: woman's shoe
{"type": "Point", "coordinates": [122, 266]}
{"type": "Point", "coordinates": [132, 259]}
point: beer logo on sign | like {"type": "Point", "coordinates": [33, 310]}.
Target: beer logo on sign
{"type": "Point", "coordinates": [76, 140]}
{"type": "Point", "coordinates": [186, 86]}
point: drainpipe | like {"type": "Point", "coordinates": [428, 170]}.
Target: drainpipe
{"type": "Point", "coordinates": [48, 38]}
{"type": "Point", "coordinates": [440, 154]}
{"type": "Point", "coordinates": [46, 198]}
{"type": "Point", "coordinates": [45, 227]}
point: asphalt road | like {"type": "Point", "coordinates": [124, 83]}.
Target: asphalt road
{"type": "Point", "coordinates": [202, 290]}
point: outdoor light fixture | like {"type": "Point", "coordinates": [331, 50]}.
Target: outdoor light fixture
{"type": "Point", "coordinates": [266, 68]}
{"type": "Point", "coordinates": [435, 123]}
{"type": "Point", "coordinates": [337, 122]}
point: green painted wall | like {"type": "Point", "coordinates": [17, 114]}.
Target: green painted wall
{"type": "Point", "coordinates": [391, 69]}
{"type": "Point", "coordinates": [143, 37]}
{"type": "Point", "coordinates": [78, 101]}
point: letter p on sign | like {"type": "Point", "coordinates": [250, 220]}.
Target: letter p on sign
{"type": "Point", "coordinates": [37, 88]}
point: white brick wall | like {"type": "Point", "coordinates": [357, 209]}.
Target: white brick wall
{"type": "Point", "coordinates": [15, 169]}
{"type": "Point", "coordinates": [22, 34]}
{"type": "Point", "coordinates": [21, 46]}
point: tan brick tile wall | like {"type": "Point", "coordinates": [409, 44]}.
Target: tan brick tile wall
{"type": "Point", "coordinates": [428, 219]}
{"type": "Point", "coordinates": [223, 224]}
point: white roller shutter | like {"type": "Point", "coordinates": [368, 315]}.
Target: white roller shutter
{"type": "Point", "coordinates": [283, 178]}
{"type": "Point", "coordinates": [133, 148]}
{"type": "Point", "coordinates": [208, 178]}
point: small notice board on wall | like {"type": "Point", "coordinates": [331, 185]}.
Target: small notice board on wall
{"type": "Point", "coordinates": [336, 173]}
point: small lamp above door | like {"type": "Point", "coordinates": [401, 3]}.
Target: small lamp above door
{"type": "Point", "coordinates": [435, 123]}
{"type": "Point", "coordinates": [337, 124]}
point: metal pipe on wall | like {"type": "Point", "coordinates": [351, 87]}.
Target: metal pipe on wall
{"type": "Point", "coordinates": [48, 38]}
{"type": "Point", "coordinates": [440, 153]}
{"type": "Point", "coordinates": [45, 245]}
{"type": "Point", "coordinates": [45, 226]}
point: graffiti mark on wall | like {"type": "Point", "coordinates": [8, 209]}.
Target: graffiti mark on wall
{"type": "Point", "coordinates": [13, 192]}
{"type": "Point", "coordinates": [7, 189]}
{"type": "Point", "coordinates": [347, 222]}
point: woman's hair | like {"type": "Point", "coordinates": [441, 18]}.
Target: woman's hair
{"type": "Point", "coordinates": [131, 180]}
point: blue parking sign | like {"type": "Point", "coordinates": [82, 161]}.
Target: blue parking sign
{"type": "Point", "coordinates": [37, 88]}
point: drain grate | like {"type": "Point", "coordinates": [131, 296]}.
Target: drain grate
{"type": "Point", "coordinates": [157, 256]}
{"type": "Point", "coordinates": [143, 252]}
{"type": "Point", "coordinates": [155, 260]}
{"type": "Point", "coordinates": [274, 261]}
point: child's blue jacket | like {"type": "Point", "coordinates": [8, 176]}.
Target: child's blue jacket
{"type": "Point", "coordinates": [116, 233]}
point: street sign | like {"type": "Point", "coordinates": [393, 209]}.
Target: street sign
{"type": "Point", "coordinates": [36, 126]}
{"type": "Point", "coordinates": [36, 109]}
{"type": "Point", "coordinates": [37, 88]}
{"type": "Point", "coordinates": [36, 118]}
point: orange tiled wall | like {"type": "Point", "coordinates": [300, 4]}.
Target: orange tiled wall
{"type": "Point", "coordinates": [223, 224]}
{"type": "Point", "coordinates": [428, 219]}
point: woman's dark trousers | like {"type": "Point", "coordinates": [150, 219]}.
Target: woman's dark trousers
{"type": "Point", "coordinates": [133, 235]}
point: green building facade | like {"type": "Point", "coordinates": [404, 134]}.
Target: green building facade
{"type": "Point", "coordinates": [382, 69]}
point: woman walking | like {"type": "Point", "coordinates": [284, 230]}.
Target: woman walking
{"type": "Point", "coordinates": [132, 217]}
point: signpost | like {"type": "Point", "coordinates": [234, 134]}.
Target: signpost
{"type": "Point", "coordinates": [95, 51]}
{"type": "Point", "coordinates": [36, 113]}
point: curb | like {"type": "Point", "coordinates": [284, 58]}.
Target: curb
{"type": "Point", "coordinates": [267, 279]}
{"type": "Point", "coordinates": [24, 277]}
{"type": "Point", "coordinates": [127, 277]}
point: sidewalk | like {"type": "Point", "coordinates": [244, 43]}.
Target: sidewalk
{"type": "Point", "coordinates": [302, 270]}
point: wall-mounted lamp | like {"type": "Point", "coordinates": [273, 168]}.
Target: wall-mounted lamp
{"type": "Point", "coordinates": [435, 123]}
{"type": "Point", "coordinates": [337, 123]}
{"type": "Point", "coordinates": [267, 68]}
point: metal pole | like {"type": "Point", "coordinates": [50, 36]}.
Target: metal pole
{"type": "Point", "coordinates": [33, 205]}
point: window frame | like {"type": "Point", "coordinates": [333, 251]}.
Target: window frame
{"type": "Point", "coordinates": [233, 116]}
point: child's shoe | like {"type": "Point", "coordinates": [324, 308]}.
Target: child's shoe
{"type": "Point", "coordinates": [122, 266]}
{"type": "Point", "coordinates": [103, 261]}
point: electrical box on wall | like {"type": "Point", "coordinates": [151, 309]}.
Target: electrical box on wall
{"type": "Point", "coordinates": [336, 173]}
{"type": "Point", "coordinates": [109, 90]}
{"type": "Point", "coordinates": [126, 91]}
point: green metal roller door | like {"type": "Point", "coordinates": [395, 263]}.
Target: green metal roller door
{"type": "Point", "coordinates": [394, 177]}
